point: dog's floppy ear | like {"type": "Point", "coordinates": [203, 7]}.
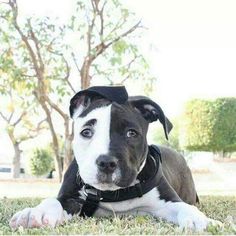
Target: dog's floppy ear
{"type": "Point", "coordinates": [81, 101]}
{"type": "Point", "coordinates": [84, 98]}
{"type": "Point", "coordinates": [151, 111]}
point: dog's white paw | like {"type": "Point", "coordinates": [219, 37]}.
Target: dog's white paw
{"type": "Point", "coordinates": [191, 218]}
{"type": "Point", "coordinates": [48, 213]}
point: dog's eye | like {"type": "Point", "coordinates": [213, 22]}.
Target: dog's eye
{"type": "Point", "coordinates": [131, 133]}
{"type": "Point", "coordinates": [87, 133]}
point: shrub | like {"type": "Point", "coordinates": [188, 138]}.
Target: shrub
{"type": "Point", "coordinates": [209, 125]}
{"type": "Point", "coordinates": [41, 162]}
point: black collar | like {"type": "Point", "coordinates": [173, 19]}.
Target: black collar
{"type": "Point", "coordinates": [147, 180]}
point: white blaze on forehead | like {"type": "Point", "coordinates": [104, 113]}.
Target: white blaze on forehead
{"type": "Point", "coordinates": [87, 151]}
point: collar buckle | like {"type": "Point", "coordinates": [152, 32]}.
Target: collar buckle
{"type": "Point", "coordinates": [91, 193]}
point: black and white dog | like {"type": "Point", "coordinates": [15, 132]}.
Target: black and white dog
{"type": "Point", "coordinates": [114, 170]}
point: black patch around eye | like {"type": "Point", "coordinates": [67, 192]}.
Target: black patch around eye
{"type": "Point", "coordinates": [91, 122]}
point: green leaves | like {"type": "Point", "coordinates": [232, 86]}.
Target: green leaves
{"type": "Point", "coordinates": [41, 162]}
{"type": "Point", "coordinates": [209, 125]}
{"type": "Point", "coordinates": [120, 47]}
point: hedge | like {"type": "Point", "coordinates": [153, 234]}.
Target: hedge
{"type": "Point", "coordinates": [209, 125]}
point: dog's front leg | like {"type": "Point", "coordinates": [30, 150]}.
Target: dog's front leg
{"type": "Point", "coordinates": [52, 212]}
{"type": "Point", "coordinates": [48, 213]}
{"type": "Point", "coordinates": [184, 215]}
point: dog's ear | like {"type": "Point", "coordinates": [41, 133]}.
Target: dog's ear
{"type": "Point", "coordinates": [84, 98]}
{"type": "Point", "coordinates": [151, 111]}
{"type": "Point", "coordinates": [81, 101]}
{"type": "Point", "coordinates": [78, 102]}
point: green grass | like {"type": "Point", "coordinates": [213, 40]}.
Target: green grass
{"type": "Point", "coordinates": [220, 208]}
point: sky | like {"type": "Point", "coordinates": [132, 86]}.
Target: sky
{"type": "Point", "coordinates": [193, 51]}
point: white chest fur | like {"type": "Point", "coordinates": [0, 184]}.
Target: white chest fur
{"type": "Point", "coordinates": [150, 203]}
{"type": "Point", "coordinates": [147, 204]}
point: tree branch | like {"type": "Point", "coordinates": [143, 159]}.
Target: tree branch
{"type": "Point", "coordinates": [123, 35]}
{"type": "Point", "coordinates": [100, 48]}
{"type": "Point", "coordinates": [68, 69]}
{"type": "Point", "coordinates": [36, 43]}
{"type": "Point", "coordinates": [75, 61]}
{"type": "Point", "coordinates": [4, 117]}
{"type": "Point", "coordinates": [66, 78]}
{"type": "Point", "coordinates": [57, 108]}
{"type": "Point", "coordinates": [19, 119]}
{"type": "Point", "coordinates": [119, 23]}
{"type": "Point", "coordinates": [14, 7]}
{"type": "Point", "coordinates": [10, 117]}
{"type": "Point", "coordinates": [32, 133]}
{"type": "Point", "coordinates": [111, 82]}
{"type": "Point", "coordinates": [13, 110]}
{"type": "Point", "coordinates": [100, 13]}
{"type": "Point", "coordinates": [102, 21]}
{"type": "Point", "coordinates": [90, 29]}
{"type": "Point", "coordinates": [51, 43]}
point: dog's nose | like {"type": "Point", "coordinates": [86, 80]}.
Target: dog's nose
{"type": "Point", "coordinates": [106, 163]}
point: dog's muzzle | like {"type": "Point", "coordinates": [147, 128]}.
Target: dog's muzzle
{"type": "Point", "coordinates": [107, 169]}
{"type": "Point", "coordinates": [106, 164]}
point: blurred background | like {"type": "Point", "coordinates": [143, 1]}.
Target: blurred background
{"type": "Point", "coordinates": [182, 54]}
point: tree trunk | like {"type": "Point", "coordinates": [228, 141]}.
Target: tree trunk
{"type": "Point", "coordinates": [16, 161]}
{"type": "Point", "coordinates": [84, 73]}
{"type": "Point", "coordinates": [17, 153]}
{"type": "Point", "coordinates": [56, 149]}
{"type": "Point", "coordinates": [68, 153]}
{"type": "Point", "coordinates": [57, 156]}
{"type": "Point", "coordinates": [217, 154]}
{"type": "Point", "coordinates": [226, 154]}
{"type": "Point", "coordinates": [222, 154]}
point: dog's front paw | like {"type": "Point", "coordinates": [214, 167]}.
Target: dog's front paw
{"type": "Point", "coordinates": [190, 217]}
{"type": "Point", "coordinates": [48, 213]}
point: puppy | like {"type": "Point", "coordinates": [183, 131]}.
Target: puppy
{"type": "Point", "coordinates": [115, 171]}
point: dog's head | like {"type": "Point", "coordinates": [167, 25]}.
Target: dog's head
{"type": "Point", "coordinates": [110, 143]}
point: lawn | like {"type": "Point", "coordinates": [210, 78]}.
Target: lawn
{"type": "Point", "coordinates": [220, 208]}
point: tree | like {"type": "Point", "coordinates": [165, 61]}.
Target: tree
{"type": "Point", "coordinates": [111, 50]}
{"type": "Point", "coordinates": [16, 112]}
{"type": "Point", "coordinates": [209, 125]}
{"type": "Point", "coordinates": [34, 47]}
{"type": "Point", "coordinates": [40, 54]}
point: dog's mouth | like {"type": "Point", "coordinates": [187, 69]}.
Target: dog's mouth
{"type": "Point", "coordinates": [106, 178]}
{"type": "Point", "coordinates": [115, 180]}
